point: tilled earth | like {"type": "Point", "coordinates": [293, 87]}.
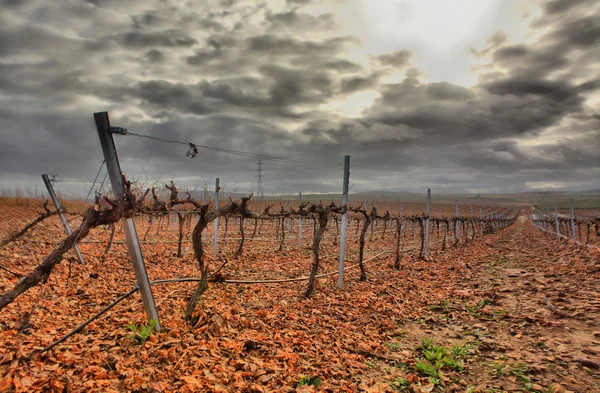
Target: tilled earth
{"type": "Point", "coordinates": [514, 311]}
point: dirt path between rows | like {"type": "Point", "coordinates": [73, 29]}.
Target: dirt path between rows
{"type": "Point", "coordinates": [527, 307]}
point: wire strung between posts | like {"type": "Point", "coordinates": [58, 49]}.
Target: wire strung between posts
{"type": "Point", "coordinates": [95, 179]}
{"type": "Point", "coordinates": [229, 151]}
{"type": "Point", "coordinates": [89, 192]}
{"type": "Point", "coordinates": [169, 281]}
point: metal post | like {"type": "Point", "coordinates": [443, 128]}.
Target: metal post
{"type": "Point", "coordinates": [299, 222]}
{"type": "Point", "coordinates": [556, 220]}
{"type": "Point", "coordinates": [472, 214]}
{"type": "Point", "coordinates": [344, 221]}
{"type": "Point", "coordinates": [481, 213]}
{"type": "Point", "coordinates": [426, 246]}
{"type": "Point", "coordinates": [401, 210]}
{"type": "Point", "coordinates": [63, 219]}
{"type": "Point", "coordinates": [456, 234]}
{"type": "Point", "coordinates": [114, 172]}
{"type": "Point", "coordinates": [289, 226]}
{"type": "Point", "coordinates": [573, 223]}
{"type": "Point", "coordinates": [205, 199]}
{"type": "Point", "coordinates": [216, 222]}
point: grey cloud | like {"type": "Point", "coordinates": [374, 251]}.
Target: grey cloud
{"type": "Point", "coordinates": [395, 59]}
{"type": "Point", "coordinates": [560, 6]}
{"type": "Point", "coordinates": [293, 20]}
{"type": "Point", "coordinates": [240, 75]}
{"type": "Point", "coordinates": [342, 66]}
{"type": "Point", "coordinates": [520, 87]}
{"type": "Point", "coordinates": [495, 41]}
{"type": "Point", "coordinates": [154, 56]}
{"type": "Point", "coordinates": [580, 33]}
{"type": "Point", "coordinates": [448, 91]}
{"type": "Point", "coordinates": [288, 46]}
{"type": "Point", "coordinates": [358, 83]}
{"type": "Point", "coordinates": [167, 38]}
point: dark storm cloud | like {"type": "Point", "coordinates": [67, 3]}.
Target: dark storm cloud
{"type": "Point", "coordinates": [555, 7]}
{"type": "Point", "coordinates": [293, 20]}
{"type": "Point", "coordinates": [240, 75]}
{"type": "Point", "coordinates": [358, 83]}
{"type": "Point", "coordinates": [271, 44]}
{"type": "Point", "coordinates": [154, 55]}
{"type": "Point", "coordinates": [342, 66]}
{"type": "Point", "coordinates": [167, 38]}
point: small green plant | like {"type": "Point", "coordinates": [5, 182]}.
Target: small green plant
{"type": "Point", "coordinates": [519, 371]}
{"type": "Point", "coordinates": [474, 310]}
{"type": "Point", "coordinates": [436, 357]}
{"type": "Point", "coordinates": [142, 332]}
{"type": "Point", "coordinates": [442, 305]}
{"type": "Point", "coordinates": [542, 345]}
{"type": "Point", "coordinates": [430, 370]}
{"type": "Point", "coordinates": [426, 343]}
{"type": "Point", "coordinates": [400, 384]}
{"type": "Point", "coordinates": [305, 380]}
{"type": "Point", "coordinates": [498, 370]}
{"type": "Point", "coordinates": [393, 346]}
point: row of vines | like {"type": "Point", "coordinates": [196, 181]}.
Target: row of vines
{"type": "Point", "coordinates": [193, 217]}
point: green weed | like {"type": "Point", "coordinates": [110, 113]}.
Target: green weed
{"type": "Point", "coordinates": [142, 332]}
{"type": "Point", "coordinates": [308, 381]}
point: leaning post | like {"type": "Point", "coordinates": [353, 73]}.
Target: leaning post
{"type": "Point", "coordinates": [105, 133]}
{"type": "Point", "coordinates": [63, 219]}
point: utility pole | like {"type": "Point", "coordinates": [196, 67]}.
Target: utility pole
{"type": "Point", "coordinates": [259, 188]}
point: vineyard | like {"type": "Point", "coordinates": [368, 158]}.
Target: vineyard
{"type": "Point", "coordinates": [265, 313]}
{"type": "Point", "coordinates": [153, 288]}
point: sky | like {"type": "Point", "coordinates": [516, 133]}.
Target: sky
{"type": "Point", "coordinates": [470, 96]}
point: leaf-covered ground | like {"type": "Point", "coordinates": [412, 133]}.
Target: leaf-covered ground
{"type": "Point", "coordinates": [513, 311]}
